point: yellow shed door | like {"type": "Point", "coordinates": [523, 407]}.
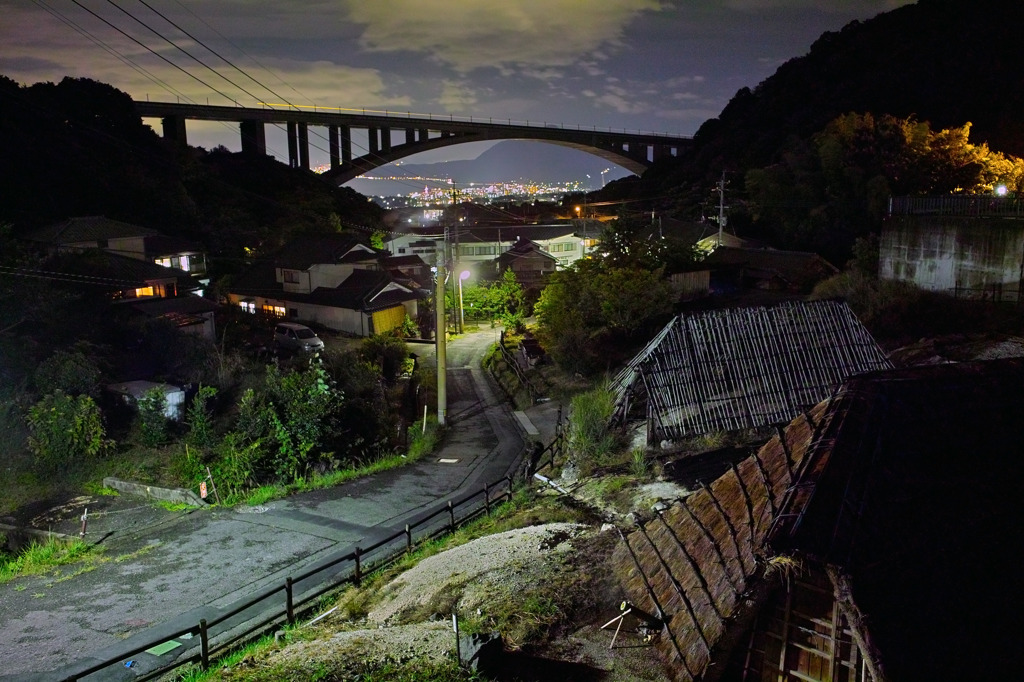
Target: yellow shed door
{"type": "Point", "coordinates": [386, 320]}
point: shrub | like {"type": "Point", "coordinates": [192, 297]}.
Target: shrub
{"type": "Point", "coordinates": [200, 426]}
{"type": "Point", "coordinates": [65, 431]}
{"type": "Point", "coordinates": [152, 419]}
{"type": "Point", "coordinates": [69, 371]}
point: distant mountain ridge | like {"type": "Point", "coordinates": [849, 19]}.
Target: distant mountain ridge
{"type": "Point", "coordinates": [507, 161]}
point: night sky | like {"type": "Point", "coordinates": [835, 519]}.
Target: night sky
{"type": "Point", "coordinates": [635, 64]}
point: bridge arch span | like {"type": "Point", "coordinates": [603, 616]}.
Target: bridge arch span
{"type": "Point", "coordinates": [633, 150]}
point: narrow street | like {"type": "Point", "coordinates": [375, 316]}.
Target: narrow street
{"type": "Point", "coordinates": [205, 561]}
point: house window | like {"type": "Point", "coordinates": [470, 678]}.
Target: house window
{"type": "Point", "coordinates": [293, 312]}
{"type": "Point", "coordinates": [571, 246]}
{"type": "Point", "coordinates": [248, 306]}
{"type": "Point", "coordinates": [143, 292]}
{"type": "Point", "coordinates": [291, 277]}
{"type": "Point", "coordinates": [273, 310]}
{"type": "Point", "coordinates": [401, 250]}
{"type": "Point", "coordinates": [166, 262]}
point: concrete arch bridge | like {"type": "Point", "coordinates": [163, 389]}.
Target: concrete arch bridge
{"type": "Point", "coordinates": [392, 136]}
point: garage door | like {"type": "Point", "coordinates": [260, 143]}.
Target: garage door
{"type": "Point", "coordinates": [386, 320]}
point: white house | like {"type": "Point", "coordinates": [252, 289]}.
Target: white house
{"type": "Point", "coordinates": [333, 280]}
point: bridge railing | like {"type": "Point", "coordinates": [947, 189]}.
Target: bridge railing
{"type": "Point", "coordinates": [452, 118]}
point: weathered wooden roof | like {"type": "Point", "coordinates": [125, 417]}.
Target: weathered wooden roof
{"type": "Point", "coordinates": [723, 370]}
{"type": "Point", "coordinates": [905, 481]}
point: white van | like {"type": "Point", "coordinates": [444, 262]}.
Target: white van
{"type": "Point", "coordinates": [296, 337]}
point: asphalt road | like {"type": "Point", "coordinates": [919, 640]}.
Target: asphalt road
{"type": "Point", "coordinates": [184, 567]}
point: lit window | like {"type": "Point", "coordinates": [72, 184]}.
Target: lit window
{"type": "Point", "coordinates": [144, 291]}
{"type": "Point", "coordinates": [275, 310]}
{"type": "Point", "coordinates": [166, 262]}
{"type": "Point", "coordinates": [247, 306]}
{"type": "Point", "coordinates": [184, 263]}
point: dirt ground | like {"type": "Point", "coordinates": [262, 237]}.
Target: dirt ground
{"type": "Point", "coordinates": [411, 619]}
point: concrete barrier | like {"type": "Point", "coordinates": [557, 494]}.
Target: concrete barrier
{"type": "Point", "coordinates": [173, 495]}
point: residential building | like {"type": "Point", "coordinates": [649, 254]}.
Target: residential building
{"type": "Point", "coordinates": [333, 280]}
{"type": "Point", "coordinates": [125, 239]}
{"type": "Point", "coordinates": [480, 244]}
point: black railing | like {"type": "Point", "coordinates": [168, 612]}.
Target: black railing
{"type": "Point", "coordinates": [235, 633]}
{"type": "Point", "coordinates": [958, 205]}
{"type": "Point", "coordinates": [513, 364]}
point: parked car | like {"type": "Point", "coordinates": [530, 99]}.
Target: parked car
{"type": "Point", "coordinates": [296, 337]}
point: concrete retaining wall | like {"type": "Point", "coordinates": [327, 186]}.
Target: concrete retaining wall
{"type": "Point", "coordinates": [950, 253]}
{"type": "Point", "coordinates": [173, 495]}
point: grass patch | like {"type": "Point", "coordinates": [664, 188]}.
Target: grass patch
{"type": "Point", "coordinates": [41, 557]}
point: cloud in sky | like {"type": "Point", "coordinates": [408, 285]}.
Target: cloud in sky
{"type": "Point", "coordinates": [479, 34]}
{"type": "Point", "coordinates": [635, 64]}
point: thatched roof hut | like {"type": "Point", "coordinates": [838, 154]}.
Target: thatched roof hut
{"type": "Point", "coordinates": [872, 539]}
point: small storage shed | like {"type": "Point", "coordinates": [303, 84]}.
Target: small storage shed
{"type": "Point", "coordinates": [132, 391]}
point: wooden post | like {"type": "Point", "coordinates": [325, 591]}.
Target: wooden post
{"type": "Point", "coordinates": [358, 576]}
{"type": "Point", "coordinates": [408, 538]}
{"type": "Point", "coordinates": [85, 520]}
{"type": "Point", "coordinates": [289, 602]}
{"type": "Point", "coordinates": [204, 645]}
{"type": "Point", "coordinates": [451, 514]}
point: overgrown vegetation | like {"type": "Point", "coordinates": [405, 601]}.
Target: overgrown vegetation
{"type": "Point", "coordinates": [591, 442]}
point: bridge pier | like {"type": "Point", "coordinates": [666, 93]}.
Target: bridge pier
{"type": "Point", "coordinates": [424, 135]}
{"type": "Point", "coordinates": [293, 145]}
{"type": "Point", "coordinates": [385, 140]}
{"type": "Point", "coordinates": [254, 137]}
{"type": "Point", "coordinates": [332, 146]}
{"type": "Point", "coordinates": [373, 139]}
{"type": "Point", "coordinates": [304, 145]}
{"type": "Point", "coordinates": [174, 129]}
{"type": "Point", "coordinates": [410, 135]}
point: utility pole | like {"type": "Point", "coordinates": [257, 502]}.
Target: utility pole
{"type": "Point", "coordinates": [721, 207]}
{"type": "Point", "coordinates": [440, 332]}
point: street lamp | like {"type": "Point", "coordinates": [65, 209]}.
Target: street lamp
{"type": "Point", "coordinates": [462, 315]}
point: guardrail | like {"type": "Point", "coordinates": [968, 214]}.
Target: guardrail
{"type": "Point", "coordinates": [450, 118]}
{"type": "Point", "coordinates": [234, 627]}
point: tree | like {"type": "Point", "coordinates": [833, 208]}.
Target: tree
{"type": "Point", "coordinates": [833, 188]}
{"type": "Point", "coordinates": [506, 297]}
{"type": "Point", "coordinates": [72, 372]}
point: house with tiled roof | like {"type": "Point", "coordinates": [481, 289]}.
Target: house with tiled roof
{"type": "Point", "coordinates": [79, 234]}
{"type": "Point", "coordinates": [143, 287]}
{"type": "Point", "coordinates": [333, 280]}
{"type": "Point", "coordinates": [870, 539]}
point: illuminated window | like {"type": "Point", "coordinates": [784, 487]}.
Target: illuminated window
{"type": "Point", "coordinates": [144, 291]}
{"type": "Point", "coordinates": [166, 262]}
{"type": "Point", "coordinates": [275, 310]}
{"type": "Point", "coordinates": [248, 306]}
{"type": "Point", "coordinates": [184, 263]}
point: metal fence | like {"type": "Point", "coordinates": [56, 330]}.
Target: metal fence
{"type": "Point", "coordinates": [958, 205]}
{"type": "Point", "coordinates": [279, 604]}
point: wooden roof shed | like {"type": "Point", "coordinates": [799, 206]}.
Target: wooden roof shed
{"type": "Point", "coordinates": [737, 368]}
